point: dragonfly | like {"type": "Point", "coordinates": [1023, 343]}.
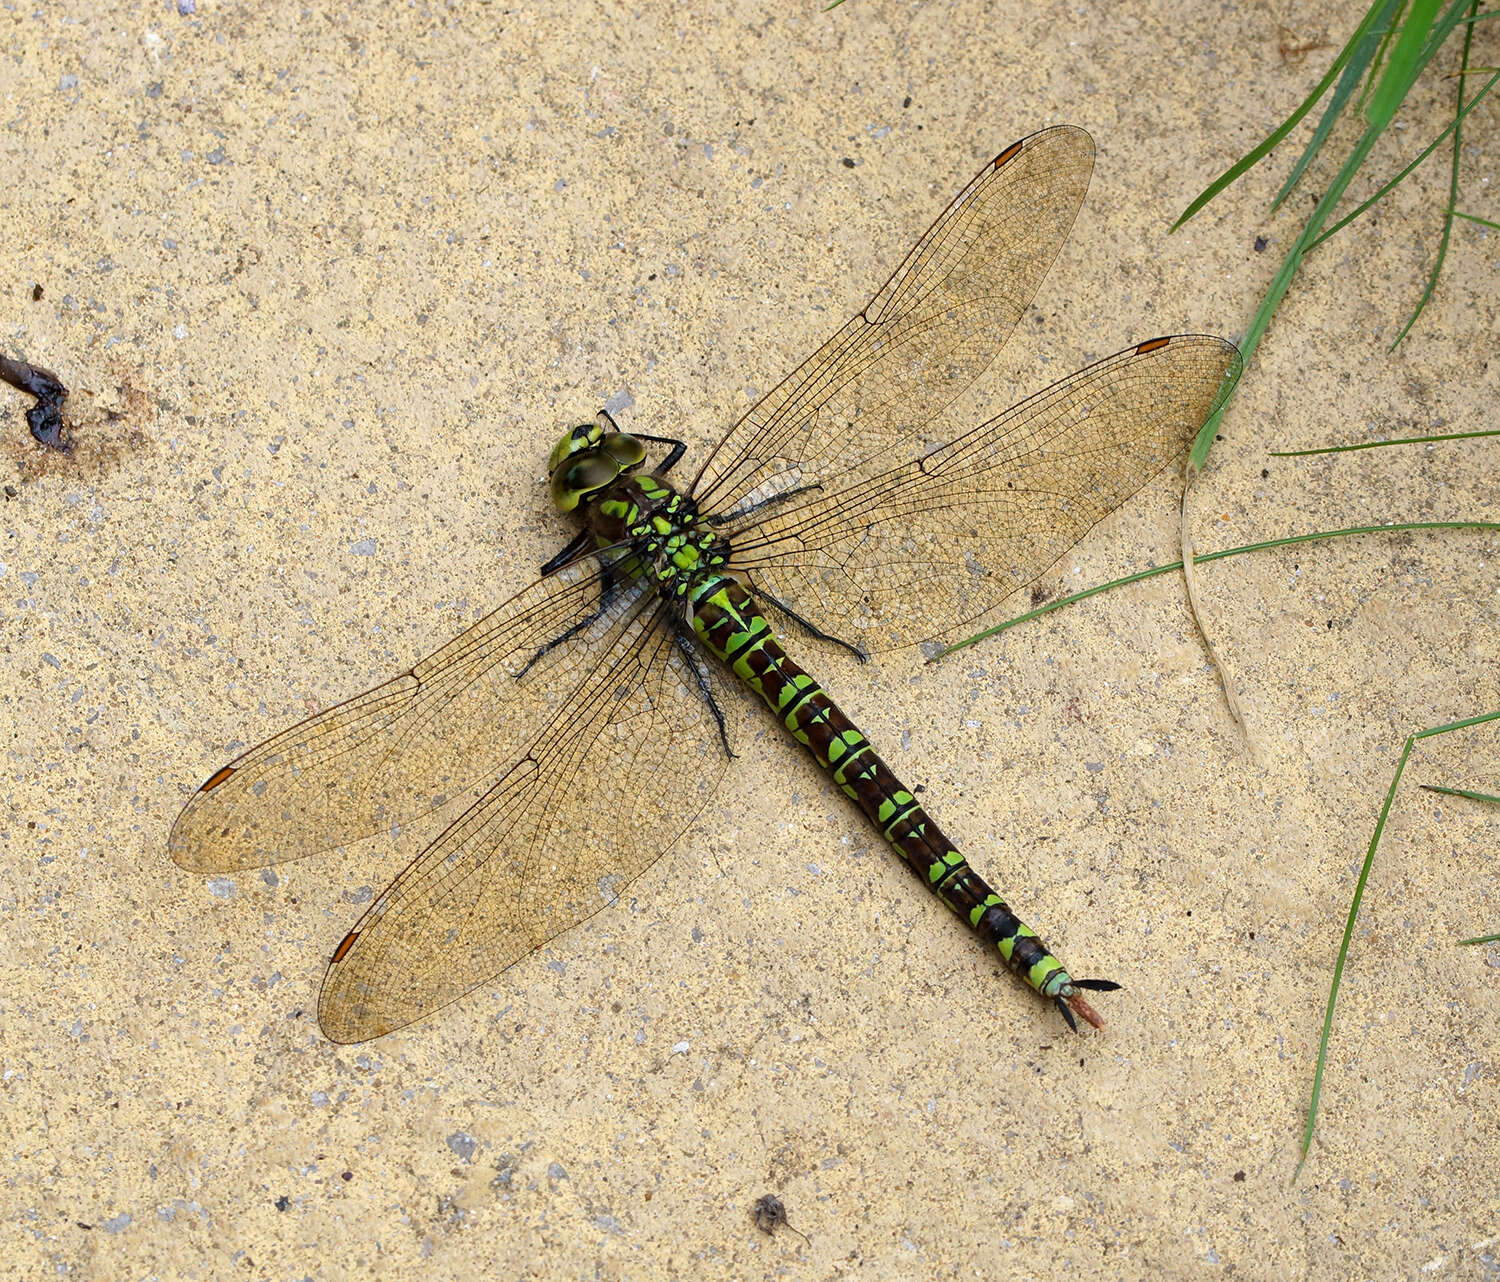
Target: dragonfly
{"type": "Point", "coordinates": [573, 735]}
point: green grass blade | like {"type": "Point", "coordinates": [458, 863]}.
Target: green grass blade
{"type": "Point", "coordinates": [1380, 445]}
{"type": "Point", "coordinates": [1204, 441]}
{"type": "Point", "coordinates": [1406, 63]}
{"type": "Point", "coordinates": [1481, 939]}
{"type": "Point", "coordinates": [1461, 792]}
{"type": "Point", "coordinates": [1280, 283]}
{"type": "Point", "coordinates": [1359, 891]}
{"type": "Point", "coordinates": [1317, 536]}
{"type": "Point", "coordinates": [1359, 63]}
{"type": "Point", "coordinates": [1374, 77]}
{"type": "Point", "coordinates": [1421, 156]}
{"type": "Point", "coordinates": [1310, 235]}
{"type": "Point", "coordinates": [1475, 218]}
{"type": "Point", "coordinates": [1338, 966]}
{"type": "Point", "coordinates": [1458, 142]}
{"type": "Point", "coordinates": [1258, 153]}
{"type": "Point", "coordinates": [1451, 726]}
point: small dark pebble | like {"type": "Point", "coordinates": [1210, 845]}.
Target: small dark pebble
{"type": "Point", "coordinates": [1239, 1177]}
{"type": "Point", "coordinates": [283, 1203]}
{"type": "Point", "coordinates": [1260, 244]}
{"type": "Point", "coordinates": [906, 102]}
{"type": "Point", "coordinates": [36, 293]}
{"type": "Point", "coordinates": [848, 164]}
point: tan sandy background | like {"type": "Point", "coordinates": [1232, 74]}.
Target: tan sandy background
{"type": "Point", "coordinates": [328, 281]}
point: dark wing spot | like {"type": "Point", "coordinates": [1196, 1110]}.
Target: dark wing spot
{"type": "Point", "coordinates": [1007, 154]}
{"type": "Point", "coordinates": [216, 779]}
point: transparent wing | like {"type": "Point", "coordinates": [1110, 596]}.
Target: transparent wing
{"type": "Point", "coordinates": [452, 723]}
{"type": "Point", "coordinates": [601, 788]}
{"type": "Point", "coordinates": [899, 554]}
{"type": "Point", "coordinates": [933, 328]}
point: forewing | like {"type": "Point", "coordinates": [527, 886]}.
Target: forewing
{"type": "Point", "coordinates": [451, 723]}
{"type": "Point", "coordinates": [932, 329]}
{"type": "Point", "coordinates": [605, 785]}
{"type": "Point", "coordinates": [902, 554]}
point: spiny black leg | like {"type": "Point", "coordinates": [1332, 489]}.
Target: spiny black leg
{"type": "Point", "coordinates": [679, 448]}
{"type": "Point", "coordinates": [690, 651]}
{"type": "Point", "coordinates": [739, 513]}
{"type": "Point", "coordinates": [790, 613]}
{"type": "Point", "coordinates": [577, 545]}
{"type": "Point", "coordinates": [606, 595]}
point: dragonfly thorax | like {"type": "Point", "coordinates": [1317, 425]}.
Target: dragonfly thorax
{"type": "Point", "coordinates": [661, 528]}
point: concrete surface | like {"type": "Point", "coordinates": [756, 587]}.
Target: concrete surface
{"type": "Point", "coordinates": [328, 281]}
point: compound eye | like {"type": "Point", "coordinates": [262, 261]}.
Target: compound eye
{"type": "Point", "coordinates": [585, 436]}
{"type": "Point", "coordinates": [624, 448]}
{"type": "Point", "coordinates": [591, 473]}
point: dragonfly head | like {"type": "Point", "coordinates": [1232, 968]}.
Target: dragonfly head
{"type": "Point", "coordinates": [590, 458]}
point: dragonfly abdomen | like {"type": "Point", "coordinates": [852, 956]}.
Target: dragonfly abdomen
{"type": "Point", "coordinates": [729, 622]}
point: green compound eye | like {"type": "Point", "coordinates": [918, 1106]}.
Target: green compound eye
{"type": "Point", "coordinates": [572, 483]}
{"type": "Point", "coordinates": [625, 449]}
{"type": "Point", "coordinates": [586, 436]}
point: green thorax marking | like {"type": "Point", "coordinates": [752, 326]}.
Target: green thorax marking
{"type": "Point", "coordinates": [661, 527]}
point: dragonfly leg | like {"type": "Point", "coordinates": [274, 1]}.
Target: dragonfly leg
{"type": "Point", "coordinates": [674, 455]}
{"type": "Point", "coordinates": [809, 627]}
{"type": "Point", "coordinates": [739, 513]}
{"type": "Point", "coordinates": [700, 670]}
{"type": "Point", "coordinates": [607, 589]}
{"type": "Point", "coordinates": [576, 545]}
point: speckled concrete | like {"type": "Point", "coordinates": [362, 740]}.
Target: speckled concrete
{"type": "Point", "coordinates": [328, 281]}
